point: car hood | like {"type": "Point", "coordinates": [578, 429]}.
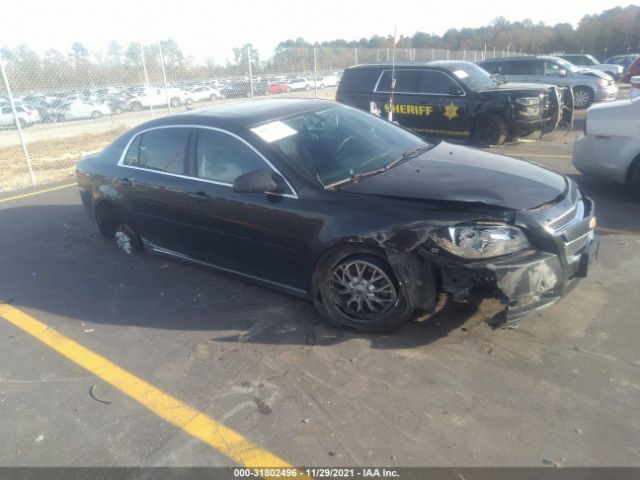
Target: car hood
{"type": "Point", "coordinates": [455, 173]}
{"type": "Point", "coordinates": [594, 73]}
{"type": "Point", "coordinates": [515, 87]}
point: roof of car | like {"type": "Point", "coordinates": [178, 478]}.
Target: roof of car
{"type": "Point", "coordinates": [246, 114]}
{"type": "Point", "coordinates": [442, 64]}
{"type": "Point", "coordinates": [524, 57]}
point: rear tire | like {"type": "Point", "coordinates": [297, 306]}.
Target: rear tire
{"type": "Point", "coordinates": [95, 115]}
{"type": "Point", "coordinates": [582, 97]}
{"type": "Point", "coordinates": [491, 129]}
{"type": "Point", "coordinates": [355, 287]}
{"type": "Point", "coordinates": [115, 224]}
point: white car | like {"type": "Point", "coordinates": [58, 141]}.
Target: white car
{"type": "Point", "coordinates": [201, 94]}
{"type": "Point", "coordinates": [80, 109]}
{"type": "Point", "coordinates": [609, 148]}
{"type": "Point", "coordinates": [299, 83]}
{"type": "Point", "coordinates": [328, 81]}
{"type": "Point", "coordinates": [634, 91]}
{"type": "Point", "coordinates": [157, 97]}
{"type": "Point", "coordinates": [26, 116]}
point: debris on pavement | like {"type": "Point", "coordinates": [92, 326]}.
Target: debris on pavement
{"type": "Point", "coordinates": [93, 395]}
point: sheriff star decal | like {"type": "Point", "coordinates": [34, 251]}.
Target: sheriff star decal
{"type": "Point", "coordinates": [451, 111]}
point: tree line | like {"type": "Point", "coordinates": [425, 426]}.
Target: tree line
{"type": "Point", "coordinates": [610, 32]}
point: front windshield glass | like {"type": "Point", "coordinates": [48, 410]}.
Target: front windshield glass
{"type": "Point", "coordinates": [474, 77]}
{"type": "Point", "coordinates": [567, 65]}
{"type": "Point", "coordinates": [337, 143]}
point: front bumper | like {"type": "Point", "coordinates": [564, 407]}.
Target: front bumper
{"type": "Point", "coordinates": [606, 93]}
{"type": "Point", "coordinates": [540, 280]}
{"type": "Point", "coordinates": [532, 279]}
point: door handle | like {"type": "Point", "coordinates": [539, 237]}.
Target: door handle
{"type": "Point", "coordinates": [199, 196]}
{"type": "Point", "coordinates": [124, 182]}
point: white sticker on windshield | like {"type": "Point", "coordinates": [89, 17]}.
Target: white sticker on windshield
{"type": "Point", "coordinates": [461, 74]}
{"type": "Point", "coordinates": [270, 132]}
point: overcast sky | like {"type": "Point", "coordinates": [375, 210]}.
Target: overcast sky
{"type": "Point", "coordinates": [212, 28]}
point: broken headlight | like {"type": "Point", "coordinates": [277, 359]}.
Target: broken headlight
{"type": "Point", "coordinates": [480, 241]}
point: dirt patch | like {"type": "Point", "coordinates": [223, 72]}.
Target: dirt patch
{"type": "Point", "coordinates": [52, 160]}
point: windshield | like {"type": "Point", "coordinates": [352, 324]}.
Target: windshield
{"type": "Point", "coordinates": [567, 65]}
{"type": "Point", "coordinates": [474, 77]}
{"type": "Point", "coordinates": [338, 143]}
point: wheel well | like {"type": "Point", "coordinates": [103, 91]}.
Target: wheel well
{"type": "Point", "coordinates": [107, 217]}
{"type": "Point", "coordinates": [632, 167]}
{"type": "Point", "coordinates": [584, 87]}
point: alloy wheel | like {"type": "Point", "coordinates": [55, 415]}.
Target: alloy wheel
{"type": "Point", "coordinates": [361, 289]}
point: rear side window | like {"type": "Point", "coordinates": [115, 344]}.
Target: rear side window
{"type": "Point", "coordinates": [162, 150]}
{"type": "Point", "coordinates": [359, 80]}
{"type": "Point", "coordinates": [521, 67]}
{"type": "Point", "coordinates": [407, 81]}
{"type": "Point", "coordinates": [417, 81]}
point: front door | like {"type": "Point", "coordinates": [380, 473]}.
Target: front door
{"type": "Point", "coordinates": [254, 233]}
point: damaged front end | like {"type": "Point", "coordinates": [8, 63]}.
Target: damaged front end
{"type": "Point", "coordinates": [547, 112]}
{"type": "Point", "coordinates": [543, 255]}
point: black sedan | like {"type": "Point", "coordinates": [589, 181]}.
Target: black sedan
{"type": "Point", "coordinates": [366, 219]}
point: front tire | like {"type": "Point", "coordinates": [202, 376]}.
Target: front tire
{"type": "Point", "coordinates": [95, 115]}
{"type": "Point", "coordinates": [355, 287]}
{"type": "Point", "coordinates": [582, 97]}
{"type": "Point", "coordinates": [491, 129]}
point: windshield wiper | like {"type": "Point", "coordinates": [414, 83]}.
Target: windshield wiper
{"type": "Point", "coordinates": [405, 156]}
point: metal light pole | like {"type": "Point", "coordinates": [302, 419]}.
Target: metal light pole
{"type": "Point", "coordinates": [144, 68]}
{"type": "Point", "coordinates": [315, 72]}
{"type": "Point", "coordinates": [17, 121]}
{"type": "Point", "coordinates": [164, 77]}
{"type": "Point", "coordinates": [250, 70]}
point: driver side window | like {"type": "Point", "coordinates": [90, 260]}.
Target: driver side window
{"type": "Point", "coordinates": [223, 158]}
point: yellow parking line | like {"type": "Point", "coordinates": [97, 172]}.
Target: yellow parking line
{"type": "Point", "coordinates": [223, 439]}
{"type": "Point", "coordinates": [31, 194]}
{"type": "Point", "coordinates": [616, 231]}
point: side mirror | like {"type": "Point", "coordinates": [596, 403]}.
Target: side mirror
{"type": "Point", "coordinates": [257, 181]}
{"type": "Point", "coordinates": [562, 72]}
{"type": "Point", "coordinates": [454, 90]}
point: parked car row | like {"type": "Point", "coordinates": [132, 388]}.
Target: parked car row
{"type": "Point", "coordinates": [64, 106]}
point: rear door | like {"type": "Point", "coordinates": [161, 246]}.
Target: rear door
{"type": "Point", "coordinates": [153, 185]}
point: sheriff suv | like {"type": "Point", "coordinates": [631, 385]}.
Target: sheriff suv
{"type": "Point", "coordinates": [454, 99]}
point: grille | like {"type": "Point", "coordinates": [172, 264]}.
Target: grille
{"type": "Point", "coordinates": [572, 228]}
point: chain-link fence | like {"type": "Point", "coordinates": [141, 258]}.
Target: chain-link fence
{"type": "Point", "coordinates": [54, 110]}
